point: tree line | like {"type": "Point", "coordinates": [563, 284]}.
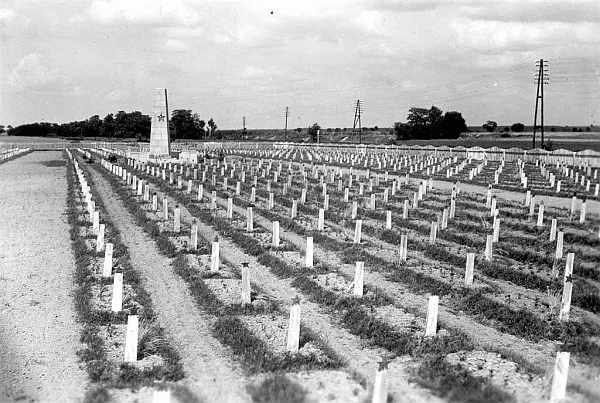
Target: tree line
{"type": "Point", "coordinates": [123, 125]}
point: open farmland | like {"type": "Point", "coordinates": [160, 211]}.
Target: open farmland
{"type": "Point", "coordinates": [292, 224]}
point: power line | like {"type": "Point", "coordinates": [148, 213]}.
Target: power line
{"type": "Point", "coordinates": [540, 79]}
{"type": "Point", "coordinates": [287, 114]}
{"type": "Point", "coordinates": [357, 119]}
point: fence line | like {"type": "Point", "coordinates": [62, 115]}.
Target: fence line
{"type": "Point", "coordinates": [586, 157]}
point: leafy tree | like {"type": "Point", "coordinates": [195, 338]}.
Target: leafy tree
{"type": "Point", "coordinates": [490, 126]}
{"type": "Point", "coordinates": [402, 131]}
{"type": "Point", "coordinates": [108, 126]}
{"type": "Point", "coordinates": [517, 127]}
{"type": "Point", "coordinates": [212, 126]}
{"type": "Point", "coordinates": [2, 129]}
{"type": "Point", "coordinates": [313, 131]}
{"type": "Point", "coordinates": [452, 125]}
{"type": "Point", "coordinates": [186, 125]}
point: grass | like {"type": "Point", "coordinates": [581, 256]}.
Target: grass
{"type": "Point", "coordinates": [277, 388]}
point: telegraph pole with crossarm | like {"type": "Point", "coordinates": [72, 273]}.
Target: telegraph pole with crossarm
{"type": "Point", "coordinates": [542, 77]}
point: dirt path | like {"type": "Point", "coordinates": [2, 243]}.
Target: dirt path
{"type": "Point", "coordinates": [359, 357]}
{"type": "Point", "coordinates": [209, 373]}
{"type": "Point", "coordinates": [39, 334]}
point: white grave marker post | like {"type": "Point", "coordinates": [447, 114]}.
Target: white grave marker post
{"type": "Point", "coordinates": [229, 207]}
{"type": "Point", "coordinates": [403, 247]}
{"type": "Point", "coordinates": [194, 237]}
{"type": "Point", "coordinates": [154, 202]}
{"type": "Point", "coordinates": [294, 212]}
{"type": "Point", "coordinates": [559, 244]}
{"type": "Point", "coordinates": [559, 381]}
{"type": "Point", "coordinates": [540, 219]}
{"type": "Point", "coordinates": [117, 295]}
{"type": "Point", "coordinates": [380, 388]}
{"type": "Point", "coordinates": [177, 219]}
{"type": "Point", "coordinates": [488, 247]}
{"type": "Point", "coordinates": [432, 314]}
{"type": "Point", "coordinates": [354, 209]}
{"type": "Point", "coordinates": [276, 234]}
{"type": "Point", "coordinates": [131, 339]}
{"type": "Point", "coordinates": [582, 212]}
{"type": "Point", "coordinates": [200, 192]}
{"type": "Point", "coordinates": [96, 222]}
{"type": "Point", "coordinates": [309, 262]}
{"type": "Point", "coordinates": [359, 275]}
{"type": "Point", "coordinates": [433, 233]}
{"type": "Point", "coordinates": [245, 284]}
{"type": "Point", "coordinates": [405, 210]}
{"type": "Point", "coordinates": [108, 263]}
{"type": "Point", "coordinates": [165, 209]}
{"type": "Point", "coordinates": [496, 237]}
{"type": "Point", "coordinates": [214, 257]}
{"type": "Point", "coordinates": [553, 230]}
{"type": "Point", "coordinates": [100, 238]}
{"type": "Point", "coordinates": [358, 231]}
{"type": "Point", "coordinates": [213, 200]}
{"type": "Point", "coordinates": [321, 221]}
{"type": "Point", "coordinates": [469, 269]}
{"type": "Point", "coordinates": [293, 339]}
{"type": "Point", "coordinates": [388, 219]}
{"type": "Point", "coordinates": [565, 306]}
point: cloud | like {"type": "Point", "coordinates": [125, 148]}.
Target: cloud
{"type": "Point", "coordinates": [175, 45]}
{"type": "Point", "coordinates": [258, 72]}
{"type": "Point", "coordinates": [9, 18]}
{"type": "Point", "coordinates": [117, 95]}
{"type": "Point", "coordinates": [498, 36]}
{"type": "Point", "coordinates": [7, 14]}
{"type": "Point", "coordinates": [31, 72]}
{"type": "Point", "coordinates": [562, 11]}
{"type": "Point", "coordinates": [161, 12]}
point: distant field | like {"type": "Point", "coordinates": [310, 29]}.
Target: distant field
{"type": "Point", "coordinates": [18, 139]}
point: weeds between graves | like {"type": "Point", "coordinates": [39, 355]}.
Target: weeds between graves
{"type": "Point", "coordinates": [253, 353]}
{"type": "Point", "coordinates": [354, 313]}
{"type": "Point", "coordinates": [100, 368]}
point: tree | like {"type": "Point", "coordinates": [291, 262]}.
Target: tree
{"type": "Point", "coordinates": [313, 131]}
{"type": "Point", "coordinates": [212, 126]}
{"type": "Point", "coordinates": [452, 125]}
{"type": "Point", "coordinates": [517, 127]}
{"type": "Point", "coordinates": [402, 131]}
{"type": "Point", "coordinates": [108, 126]}
{"type": "Point", "coordinates": [186, 125]}
{"type": "Point", "coordinates": [490, 126]}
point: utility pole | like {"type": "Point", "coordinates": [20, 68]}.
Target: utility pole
{"type": "Point", "coordinates": [357, 119]}
{"type": "Point", "coordinates": [287, 114]}
{"type": "Point", "coordinates": [542, 77]}
{"type": "Point", "coordinates": [243, 127]}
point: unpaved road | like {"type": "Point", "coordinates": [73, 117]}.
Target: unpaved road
{"type": "Point", "coordinates": [39, 334]}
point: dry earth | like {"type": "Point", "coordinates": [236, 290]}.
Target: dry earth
{"type": "Point", "coordinates": [39, 334]}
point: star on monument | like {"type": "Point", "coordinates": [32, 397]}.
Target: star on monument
{"type": "Point", "coordinates": [161, 117]}
{"type": "Point", "coordinates": [245, 264]}
{"type": "Point", "coordinates": [383, 364]}
{"type": "Point", "coordinates": [569, 278]}
{"type": "Point", "coordinates": [296, 300]}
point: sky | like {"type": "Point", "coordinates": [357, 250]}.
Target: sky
{"type": "Point", "coordinates": [67, 60]}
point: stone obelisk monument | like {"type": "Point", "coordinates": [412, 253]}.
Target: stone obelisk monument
{"type": "Point", "coordinates": [160, 145]}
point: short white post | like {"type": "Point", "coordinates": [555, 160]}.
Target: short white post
{"type": "Point", "coordinates": [131, 339]}
{"type": "Point", "coordinates": [565, 306]}
{"type": "Point", "coordinates": [293, 339]}
{"type": "Point", "coordinates": [96, 222]}
{"type": "Point", "coordinates": [380, 388]}
{"type": "Point", "coordinates": [433, 233]}
{"type": "Point", "coordinates": [553, 229]}
{"type": "Point", "coordinates": [309, 252]}
{"type": "Point", "coordinates": [108, 256]}
{"type": "Point", "coordinates": [488, 247]}
{"type": "Point", "coordinates": [229, 207]}
{"type": "Point", "coordinates": [117, 295]}
{"type": "Point", "coordinates": [100, 238]}
{"type": "Point", "coordinates": [249, 219]}
{"type": "Point", "coordinates": [559, 380]}
{"type": "Point", "coordinates": [405, 210]}
{"type": "Point", "coordinates": [496, 236]}
{"type": "Point", "coordinates": [177, 219]}
{"type": "Point", "coordinates": [194, 237]}
{"type": "Point", "coordinates": [294, 212]}
{"type": "Point", "coordinates": [358, 231]}
{"type": "Point", "coordinates": [388, 219]}
{"type": "Point", "coordinates": [559, 244]}
{"type": "Point", "coordinates": [200, 191]}
{"type": "Point", "coordinates": [359, 279]}
{"type": "Point", "coordinates": [276, 234]}
{"type": "Point", "coordinates": [354, 209]}
{"type": "Point", "coordinates": [582, 212]}
{"type": "Point", "coordinates": [540, 219]}
{"type": "Point", "coordinates": [154, 202]}
{"type": "Point", "coordinates": [321, 221]}
{"type": "Point", "coordinates": [469, 269]}
{"type": "Point", "coordinates": [245, 284]}
{"type": "Point", "coordinates": [165, 209]}
{"type": "Point", "coordinates": [403, 247]}
{"type": "Point", "coordinates": [432, 314]}
{"type": "Point", "coordinates": [213, 200]}
{"type": "Point", "coordinates": [214, 257]}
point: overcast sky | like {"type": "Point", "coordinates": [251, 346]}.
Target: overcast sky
{"type": "Point", "coordinates": [68, 60]}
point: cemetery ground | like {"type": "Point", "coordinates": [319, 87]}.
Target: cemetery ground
{"type": "Point", "coordinates": [495, 340]}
